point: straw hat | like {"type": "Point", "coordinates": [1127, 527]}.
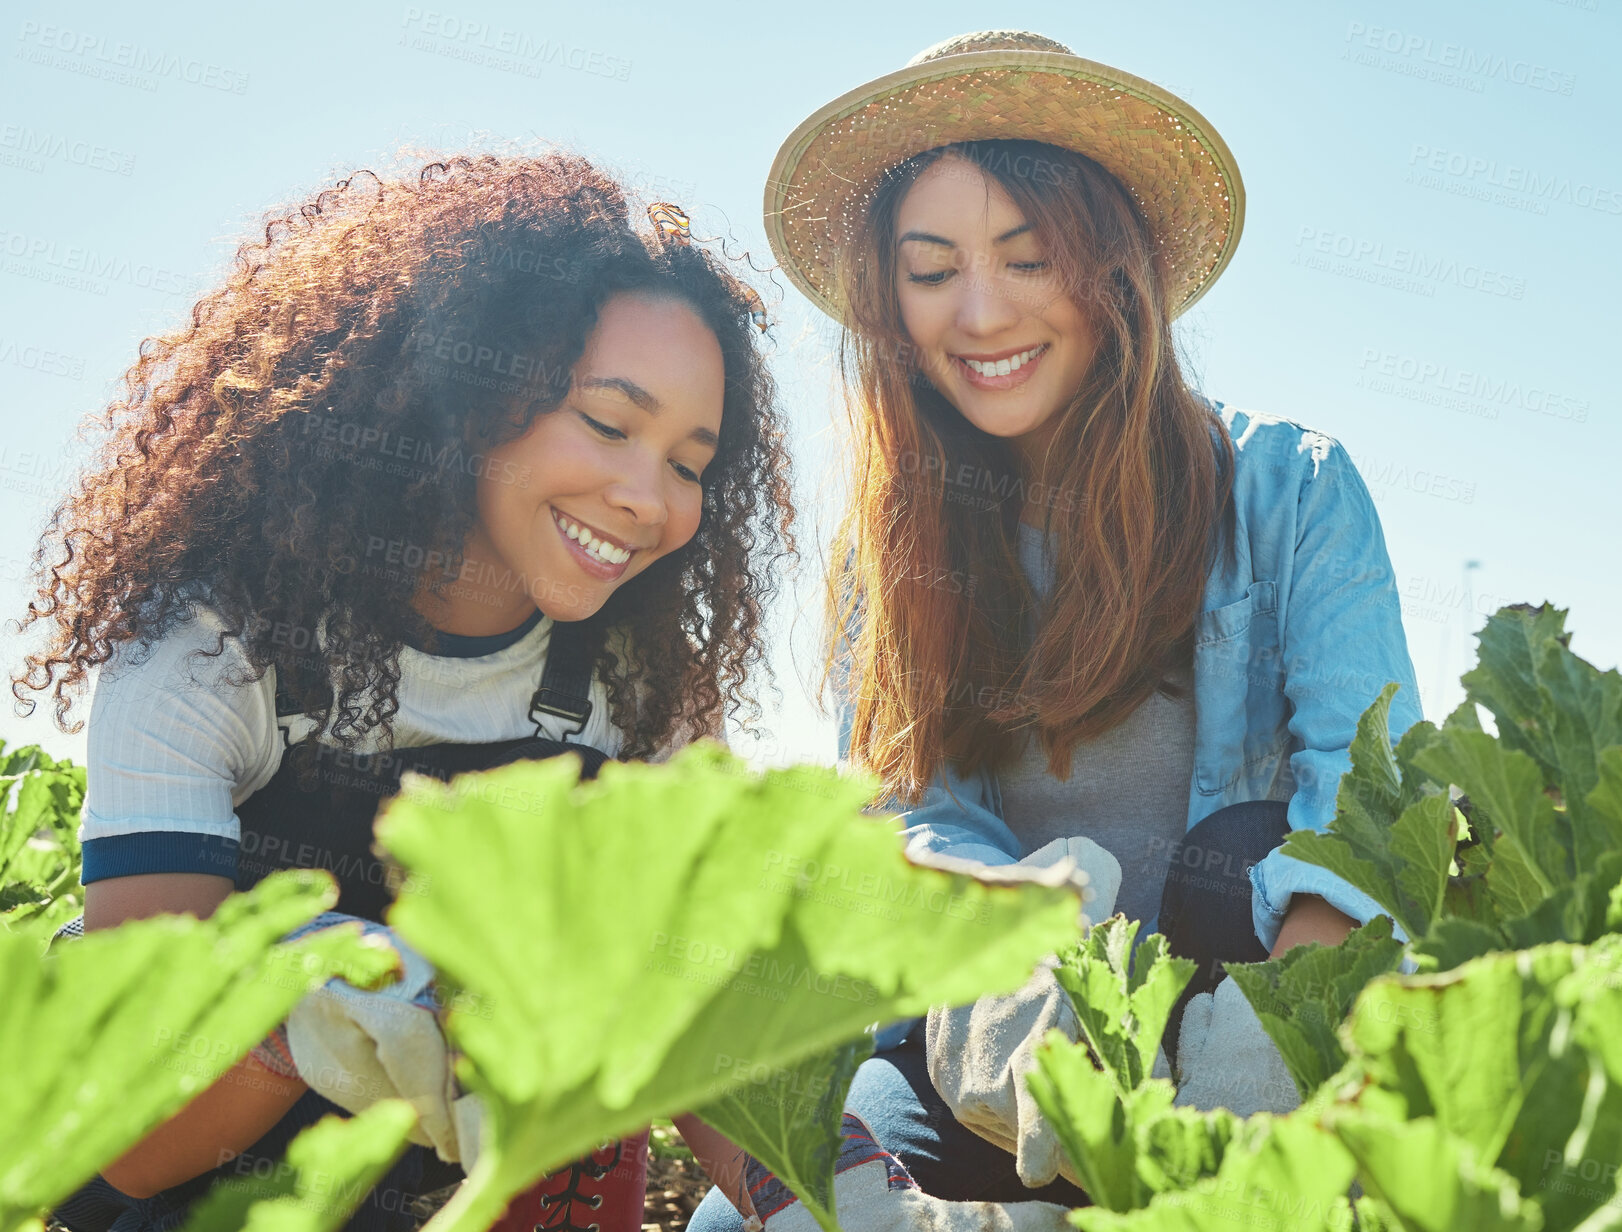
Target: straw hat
{"type": "Point", "coordinates": [1006, 84]}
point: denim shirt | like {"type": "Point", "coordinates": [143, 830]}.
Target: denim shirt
{"type": "Point", "coordinates": [1298, 634]}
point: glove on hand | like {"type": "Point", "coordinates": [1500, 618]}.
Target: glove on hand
{"type": "Point", "coordinates": [978, 1055]}
{"type": "Point", "coordinates": [1227, 1059]}
{"type": "Point", "coordinates": [357, 1047]}
{"type": "Point", "coordinates": [873, 1191]}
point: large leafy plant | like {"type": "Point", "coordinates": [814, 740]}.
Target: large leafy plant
{"type": "Point", "coordinates": [1537, 856]}
{"type": "Point", "coordinates": [39, 841]}
{"type": "Point", "coordinates": [650, 942]}
{"type": "Point", "coordinates": [110, 1034]}
{"type": "Point", "coordinates": [1486, 1097]}
{"type": "Point", "coordinates": [1484, 1091]}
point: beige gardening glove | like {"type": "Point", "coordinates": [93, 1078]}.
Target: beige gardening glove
{"type": "Point", "coordinates": [874, 1192]}
{"type": "Point", "coordinates": [1226, 1059]}
{"type": "Point", "coordinates": [357, 1047]}
{"type": "Point", "coordinates": [979, 1055]}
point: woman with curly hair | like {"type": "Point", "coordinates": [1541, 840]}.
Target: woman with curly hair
{"type": "Point", "coordinates": [451, 468]}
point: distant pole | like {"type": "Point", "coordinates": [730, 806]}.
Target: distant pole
{"type": "Point", "coordinates": [1470, 566]}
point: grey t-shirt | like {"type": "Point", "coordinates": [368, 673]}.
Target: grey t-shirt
{"type": "Point", "coordinates": [1128, 788]}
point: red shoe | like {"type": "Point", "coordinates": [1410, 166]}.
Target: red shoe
{"type": "Point", "coordinates": [604, 1192]}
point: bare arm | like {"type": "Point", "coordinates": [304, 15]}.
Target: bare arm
{"type": "Point", "coordinates": [229, 1116]}
{"type": "Point", "coordinates": [722, 1162]}
{"type": "Point", "coordinates": [1310, 918]}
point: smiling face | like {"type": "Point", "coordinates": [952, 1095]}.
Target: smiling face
{"type": "Point", "coordinates": [981, 302]}
{"type": "Point", "coordinates": [602, 486]}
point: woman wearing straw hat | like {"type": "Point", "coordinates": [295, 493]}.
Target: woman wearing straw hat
{"type": "Point", "coordinates": [1081, 609]}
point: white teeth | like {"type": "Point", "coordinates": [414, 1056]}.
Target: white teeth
{"type": "Point", "coordinates": [601, 549]}
{"type": "Point", "coordinates": [1002, 367]}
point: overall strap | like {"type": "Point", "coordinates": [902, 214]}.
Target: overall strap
{"type": "Point", "coordinates": [565, 688]}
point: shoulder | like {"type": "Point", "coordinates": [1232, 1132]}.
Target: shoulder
{"type": "Point", "coordinates": [1271, 447]}
{"type": "Point", "coordinates": [198, 650]}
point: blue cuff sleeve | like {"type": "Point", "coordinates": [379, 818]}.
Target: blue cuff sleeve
{"type": "Point", "coordinates": [158, 851]}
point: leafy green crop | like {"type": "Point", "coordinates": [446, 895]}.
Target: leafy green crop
{"type": "Point", "coordinates": [1116, 1123]}
{"type": "Point", "coordinates": [792, 1122]}
{"type": "Point", "coordinates": [692, 937]}
{"type": "Point", "coordinates": [1484, 1095]}
{"type": "Point", "coordinates": [1488, 1097]}
{"type": "Point", "coordinates": [1544, 861]}
{"type": "Point", "coordinates": [643, 944]}
{"type": "Point", "coordinates": [1514, 1059]}
{"type": "Point", "coordinates": [1303, 997]}
{"type": "Point", "coordinates": [115, 1031]}
{"type": "Point", "coordinates": [39, 842]}
{"type": "Point", "coordinates": [1123, 1000]}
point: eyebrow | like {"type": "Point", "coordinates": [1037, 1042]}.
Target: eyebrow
{"type": "Point", "coordinates": [924, 237]}
{"type": "Point", "coordinates": [646, 401]}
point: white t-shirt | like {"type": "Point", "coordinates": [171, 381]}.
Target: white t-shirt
{"type": "Point", "coordinates": [173, 748]}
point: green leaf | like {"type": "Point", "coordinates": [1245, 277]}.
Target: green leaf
{"type": "Point", "coordinates": [1506, 787]}
{"type": "Point", "coordinates": [1181, 1148]}
{"type": "Point", "coordinates": [1585, 719]}
{"type": "Point", "coordinates": [1302, 997]}
{"type": "Point", "coordinates": [1388, 839]}
{"type": "Point", "coordinates": [1578, 911]}
{"type": "Point", "coordinates": [1097, 1126]}
{"type": "Point", "coordinates": [1606, 798]}
{"type": "Point", "coordinates": [773, 1113]}
{"type": "Point", "coordinates": [1508, 1055]}
{"type": "Point", "coordinates": [1429, 1181]}
{"type": "Point", "coordinates": [1422, 847]}
{"type": "Point", "coordinates": [1505, 681]}
{"type": "Point", "coordinates": [1515, 885]}
{"type": "Point", "coordinates": [122, 1027]}
{"type": "Point", "coordinates": [689, 915]}
{"type": "Point", "coordinates": [1123, 999]}
{"type": "Point", "coordinates": [329, 1168]}
{"type": "Point", "coordinates": [1562, 712]}
{"type": "Point", "coordinates": [1274, 1174]}
{"type": "Point", "coordinates": [1454, 942]}
{"type": "Point", "coordinates": [39, 845]}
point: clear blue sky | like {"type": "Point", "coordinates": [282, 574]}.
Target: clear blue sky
{"type": "Point", "coordinates": [1428, 270]}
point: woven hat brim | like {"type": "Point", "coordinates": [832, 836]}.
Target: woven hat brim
{"type": "Point", "coordinates": [1169, 157]}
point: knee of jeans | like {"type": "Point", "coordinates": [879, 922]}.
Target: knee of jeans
{"type": "Point", "coordinates": [715, 1214]}
{"type": "Point", "coordinates": [1241, 833]}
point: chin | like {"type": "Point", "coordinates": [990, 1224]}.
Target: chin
{"type": "Point", "coordinates": [567, 604]}
{"type": "Point", "coordinates": [1008, 427]}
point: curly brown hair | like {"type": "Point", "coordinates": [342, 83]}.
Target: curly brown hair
{"type": "Point", "coordinates": [345, 313]}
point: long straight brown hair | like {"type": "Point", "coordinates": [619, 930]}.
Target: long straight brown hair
{"type": "Point", "coordinates": [932, 615]}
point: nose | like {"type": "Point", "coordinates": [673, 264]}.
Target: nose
{"type": "Point", "coordinates": [638, 489]}
{"type": "Point", "coordinates": [984, 306]}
